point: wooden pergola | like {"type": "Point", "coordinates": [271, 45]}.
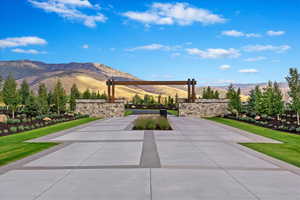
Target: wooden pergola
{"type": "Point", "coordinates": [111, 83]}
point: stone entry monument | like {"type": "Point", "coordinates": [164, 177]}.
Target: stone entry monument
{"type": "Point", "coordinates": [204, 108]}
{"type": "Point", "coordinates": [191, 106]}
{"type": "Point", "coordinates": [100, 108]}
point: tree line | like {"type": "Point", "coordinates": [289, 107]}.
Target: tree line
{"type": "Point", "coordinates": [44, 100]}
{"type": "Point", "coordinates": [151, 100]}
{"type": "Point", "coordinates": [268, 100]}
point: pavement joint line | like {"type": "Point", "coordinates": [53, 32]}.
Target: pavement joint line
{"type": "Point", "coordinates": [196, 167]}
{"type": "Point", "coordinates": [95, 141]}
{"type": "Point", "coordinates": [53, 184]}
{"type": "Point", "coordinates": [279, 163]}
{"type": "Point", "coordinates": [149, 156]}
{"type": "Point", "coordinates": [224, 169]}
{"type": "Point", "coordinates": [20, 163]}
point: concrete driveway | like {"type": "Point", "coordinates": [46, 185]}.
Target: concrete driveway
{"type": "Point", "coordinates": [106, 160]}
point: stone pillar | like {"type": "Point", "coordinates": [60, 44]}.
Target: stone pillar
{"type": "Point", "coordinates": [204, 108]}
{"type": "Point", "coordinates": [100, 108]}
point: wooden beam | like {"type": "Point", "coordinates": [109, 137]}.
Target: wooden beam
{"type": "Point", "coordinates": [193, 91]}
{"type": "Point", "coordinates": [108, 83]}
{"type": "Point", "coordinates": [113, 91]}
{"type": "Point", "coordinates": [189, 90]}
{"type": "Point", "coordinates": [150, 82]}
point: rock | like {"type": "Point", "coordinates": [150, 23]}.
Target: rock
{"type": "Point", "coordinates": [3, 118]}
{"type": "Point", "coordinates": [257, 117]}
{"type": "Point", "coordinates": [47, 119]}
{"type": "Point", "coordinates": [244, 116]}
{"type": "Point", "coordinates": [204, 108]}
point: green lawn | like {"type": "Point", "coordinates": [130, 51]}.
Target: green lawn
{"type": "Point", "coordinates": [128, 112]}
{"type": "Point", "coordinates": [173, 112]}
{"type": "Point", "coordinates": [289, 151]}
{"type": "Point", "coordinates": [14, 147]}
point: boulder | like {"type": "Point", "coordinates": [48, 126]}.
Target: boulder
{"type": "Point", "coordinates": [257, 117]}
{"type": "Point", "coordinates": [47, 119]}
{"type": "Point", "coordinates": [3, 118]}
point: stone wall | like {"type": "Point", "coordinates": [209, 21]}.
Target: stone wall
{"type": "Point", "coordinates": [100, 108]}
{"type": "Point", "coordinates": [204, 108]}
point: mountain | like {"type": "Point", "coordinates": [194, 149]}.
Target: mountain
{"type": "Point", "coordinates": [85, 75]}
{"type": "Point", "coordinates": [94, 76]}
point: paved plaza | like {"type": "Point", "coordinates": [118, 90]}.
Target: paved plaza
{"type": "Point", "coordinates": [106, 160]}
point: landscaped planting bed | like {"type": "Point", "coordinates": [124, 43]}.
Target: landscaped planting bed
{"type": "Point", "coordinates": [286, 122]}
{"type": "Point", "coordinates": [23, 123]}
{"type": "Point", "coordinates": [151, 123]}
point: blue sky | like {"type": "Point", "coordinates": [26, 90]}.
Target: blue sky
{"type": "Point", "coordinates": [214, 41]}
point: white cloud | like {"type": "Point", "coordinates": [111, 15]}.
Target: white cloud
{"type": "Point", "coordinates": [219, 82]}
{"type": "Point", "coordinates": [248, 70]}
{"type": "Point", "coordinates": [85, 46]}
{"type": "Point", "coordinates": [254, 59]}
{"type": "Point", "coordinates": [214, 53]}
{"type": "Point", "coordinates": [28, 51]}
{"type": "Point", "coordinates": [21, 41]}
{"type": "Point", "coordinates": [275, 33]}
{"type": "Point", "coordinates": [69, 10]}
{"type": "Point", "coordinates": [84, 3]}
{"type": "Point", "coordinates": [224, 67]}
{"type": "Point", "coordinates": [152, 47]}
{"type": "Point", "coordinates": [234, 33]}
{"type": "Point", "coordinates": [174, 13]}
{"type": "Point", "coordinates": [255, 48]}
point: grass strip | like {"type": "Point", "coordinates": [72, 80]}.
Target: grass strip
{"type": "Point", "coordinates": [289, 151]}
{"type": "Point", "coordinates": [13, 147]}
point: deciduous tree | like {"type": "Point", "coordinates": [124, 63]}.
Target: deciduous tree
{"type": "Point", "coordinates": [10, 94]}
{"type": "Point", "coordinates": [293, 80]}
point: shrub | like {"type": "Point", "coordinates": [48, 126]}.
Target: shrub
{"type": "Point", "coordinates": [21, 128]}
{"type": "Point", "coordinates": [13, 121]}
{"type": "Point", "coordinates": [298, 129]}
{"type": "Point", "coordinates": [151, 124]}
{"type": "Point", "coordinates": [24, 120]}
{"type": "Point", "coordinates": [13, 129]}
{"type": "Point", "coordinates": [163, 123]}
{"type": "Point", "coordinates": [5, 131]}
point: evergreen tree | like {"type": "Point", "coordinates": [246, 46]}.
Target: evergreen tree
{"type": "Point", "coordinates": [93, 95]}
{"type": "Point", "coordinates": [216, 95]}
{"type": "Point", "coordinates": [235, 104]}
{"type": "Point", "coordinates": [270, 101]}
{"type": "Point", "coordinates": [1, 82]}
{"type": "Point", "coordinates": [159, 99]}
{"type": "Point", "coordinates": [209, 93]}
{"type": "Point", "coordinates": [10, 94]}
{"type": "Point", "coordinates": [104, 96]}
{"type": "Point", "coordinates": [86, 94]}
{"type": "Point", "coordinates": [137, 100]}
{"type": "Point", "coordinates": [294, 93]}
{"type": "Point", "coordinates": [24, 92]}
{"type": "Point", "coordinates": [31, 107]}
{"type": "Point", "coordinates": [74, 94]}
{"type": "Point", "coordinates": [176, 98]}
{"type": "Point", "coordinates": [254, 101]}
{"type": "Point", "coordinates": [59, 98]}
{"type": "Point", "coordinates": [99, 96]}
{"type": "Point", "coordinates": [146, 99]}
{"type": "Point", "coordinates": [42, 99]}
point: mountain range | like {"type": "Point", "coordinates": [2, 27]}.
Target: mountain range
{"type": "Point", "coordinates": [93, 76]}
